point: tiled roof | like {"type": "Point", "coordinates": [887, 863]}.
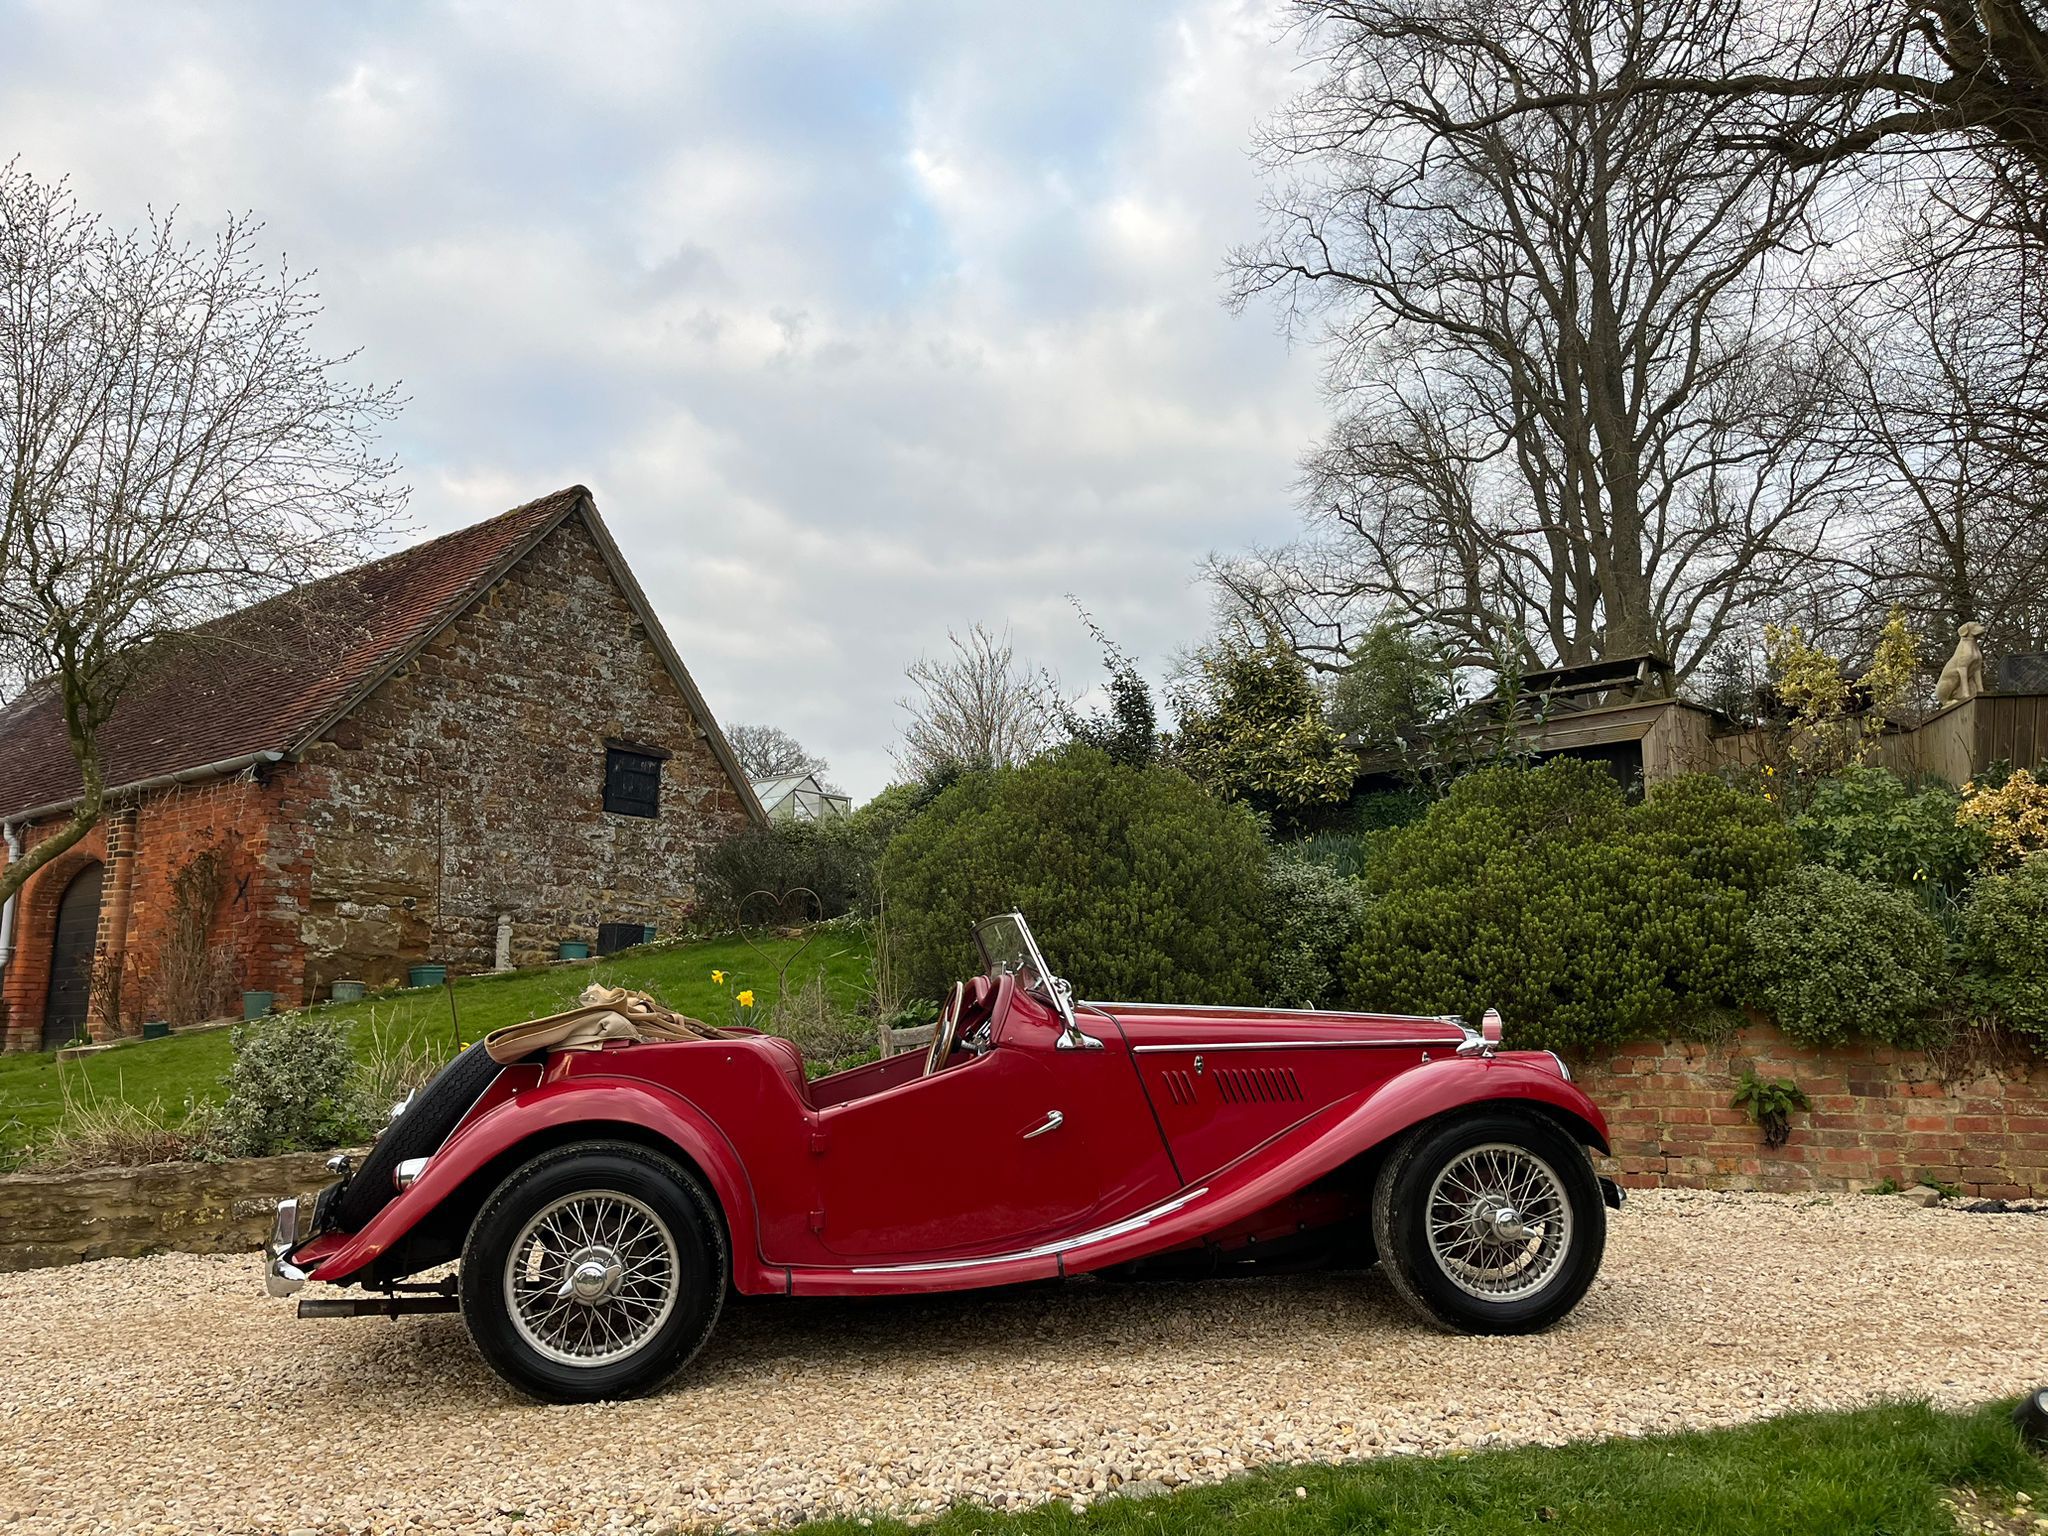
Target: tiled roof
{"type": "Point", "coordinates": [268, 677]}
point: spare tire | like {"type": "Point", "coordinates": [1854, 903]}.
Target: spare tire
{"type": "Point", "coordinates": [435, 1108]}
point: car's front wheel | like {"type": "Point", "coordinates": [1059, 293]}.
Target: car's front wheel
{"type": "Point", "coordinates": [597, 1270]}
{"type": "Point", "coordinates": [1490, 1222]}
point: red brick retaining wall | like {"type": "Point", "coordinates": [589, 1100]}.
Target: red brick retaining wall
{"type": "Point", "coordinates": [1979, 1121]}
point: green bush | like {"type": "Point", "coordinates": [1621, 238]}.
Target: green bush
{"type": "Point", "coordinates": [1316, 913]}
{"type": "Point", "coordinates": [1252, 729]}
{"type": "Point", "coordinates": [781, 860]}
{"type": "Point", "coordinates": [2005, 948]}
{"type": "Point", "coordinates": [293, 1088]}
{"type": "Point", "coordinates": [1542, 892]}
{"type": "Point", "coordinates": [1831, 956]}
{"type": "Point", "coordinates": [1137, 884]}
{"type": "Point", "coordinates": [1866, 822]}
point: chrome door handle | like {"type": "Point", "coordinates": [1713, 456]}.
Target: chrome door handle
{"type": "Point", "coordinates": [1053, 1121]}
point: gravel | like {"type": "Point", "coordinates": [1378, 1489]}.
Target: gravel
{"type": "Point", "coordinates": [169, 1395]}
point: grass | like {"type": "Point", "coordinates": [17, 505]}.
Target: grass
{"type": "Point", "coordinates": [1880, 1471]}
{"type": "Point", "coordinates": [188, 1068]}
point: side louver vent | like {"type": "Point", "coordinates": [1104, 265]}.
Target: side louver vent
{"type": "Point", "coordinates": [1180, 1087]}
{"type": "Point", "coordinates": [1256, 1085]}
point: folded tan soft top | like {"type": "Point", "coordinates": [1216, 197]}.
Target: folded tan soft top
{"type": "Point", "coordinates": [607, 1013]}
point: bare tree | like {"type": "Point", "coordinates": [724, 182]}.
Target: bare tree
{"type": "Point", "coordinates": [173, 445]}
{"type": "Point", "coordinates": [977, 708]}
{"type": "Point", "coordinates": [767, 752]}
{"type": "Point", "coordinates": [1578, 411]}
{"type": "Point", "coordinates": [1943, 370]}
{"type": "Point", "coordinates": [1849, 76]}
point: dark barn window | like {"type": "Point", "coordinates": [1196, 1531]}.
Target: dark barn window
{"type": "Point", "coordinates": [632, 780]}
{"type": "Point", "coordinates": [613, 937]}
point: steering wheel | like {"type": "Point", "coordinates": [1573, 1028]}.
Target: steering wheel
{"type": "Point", "coordinates": [949, 1027]}
{"type": "Point", "coordinates": [969, 998]}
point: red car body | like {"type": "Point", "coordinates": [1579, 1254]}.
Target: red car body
{"type": "Point", "coordinates": [1054, 1139]}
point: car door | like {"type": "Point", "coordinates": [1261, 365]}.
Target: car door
{"type": "Point", "coordinates": [977, 1158]}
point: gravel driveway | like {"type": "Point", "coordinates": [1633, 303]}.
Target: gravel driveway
{"type": "Point", "coordinates": [170, 1395]}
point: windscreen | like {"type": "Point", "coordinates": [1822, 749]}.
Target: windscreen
{"type": "Point", "coordinates": [1009, 950]}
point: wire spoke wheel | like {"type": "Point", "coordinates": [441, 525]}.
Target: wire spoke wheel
{"type": "Point", "coordinates": [592, 1277]}
{"type": "Point", "coordinates": [1499, 1222]}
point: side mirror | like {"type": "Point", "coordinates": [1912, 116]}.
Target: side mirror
{"type": "Point", "coordinates": [1489, 1027]}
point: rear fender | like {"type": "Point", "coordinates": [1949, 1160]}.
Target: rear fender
{"type": "Point", "coordinates": [1312, 1149]}
{"type": "Point", "coordinates": [597, 1106]}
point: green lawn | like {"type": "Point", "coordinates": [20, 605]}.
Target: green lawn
{"type": "Point", "coordinates": [32, 1086]}
{"type": "Point", "coordinates": [1879, 1472]}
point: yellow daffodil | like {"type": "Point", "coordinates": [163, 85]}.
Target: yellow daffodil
{"type": "Point", "coordinates": [747, 998]}
{"type": "Point", "coordinates": [718, 976]}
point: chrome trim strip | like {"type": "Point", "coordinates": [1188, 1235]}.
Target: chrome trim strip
{"type": "Point", "coordinates": [1306, 1013]}
{"type": "Point", "coordinates": [1298, 1045]}
{"type": "Point", "coordinates": [1043, 1250]}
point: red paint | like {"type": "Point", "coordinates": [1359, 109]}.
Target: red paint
{"type": "Point", "coordinates": [1185, 1127]}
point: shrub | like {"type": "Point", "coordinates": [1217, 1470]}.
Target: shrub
{"type": "Point", "coordinates": [293, 1088]}
{"type": "Point", "coordinates": [2005, 948]}
{"type": "Point", "coordinates": [1865, 822]}
{"type": "Point", "coordinates": [1398, 681]}
{"type": "Point", "coordinates": [1316, 913]}
{"type": "Point", "coordinates": [2011, 817]}
{"type": "Point", "coordinates": [1136, 883]}
{"type": "Point", "coordinates": [1831, 956]}
{"type": "Point", "coordinates": [1542, 892]}
{"type": "Point", "coordinates": [780, 859]}
{"type": "Point", "coordinates": [1252, 729]}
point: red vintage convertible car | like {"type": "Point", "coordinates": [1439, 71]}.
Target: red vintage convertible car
{"type": "Point", "coordinates": [602, 1202]}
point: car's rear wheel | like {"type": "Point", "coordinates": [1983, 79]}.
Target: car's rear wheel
{"type": "Point", "coordinates": [597, 1270]}
{"type": "Point", "coordinates": [1490, 1222]}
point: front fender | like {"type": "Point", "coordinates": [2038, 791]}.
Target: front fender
{"type": "Point", "coordinates": [1344, 1131]}
{"type": "Point", "coordinates": [599, 1103]}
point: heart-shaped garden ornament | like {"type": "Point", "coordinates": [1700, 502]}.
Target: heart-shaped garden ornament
{"type": "Point", "coordinates": [796, 905]}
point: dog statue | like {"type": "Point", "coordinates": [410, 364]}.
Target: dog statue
{"type": "Point", "coordinates": [1963, 677]}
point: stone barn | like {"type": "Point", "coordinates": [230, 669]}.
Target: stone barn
{"type": "Point", "coordinates": [470, 752]}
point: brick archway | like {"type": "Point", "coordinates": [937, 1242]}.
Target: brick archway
{"type": "Point", "coordinates": [35, 922]}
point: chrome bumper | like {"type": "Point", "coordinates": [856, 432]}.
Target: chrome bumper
{"type": "Point", "coordinates": [281, 1277]}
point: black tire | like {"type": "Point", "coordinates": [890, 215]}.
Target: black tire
{"type": "Point", "coordinates": [637, 1182]}
{"type": "Point", "coordinates": [441, 1101]}
{"type": "Point", "coordinates": [1565, 1220]}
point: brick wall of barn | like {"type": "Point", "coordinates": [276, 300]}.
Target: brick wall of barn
{"type": "Point", "coordinates": [472, 784]}
{"type": "Point", "coordinates": [247, 936]}
{"type": "Point", "coordinates": [1975, 1119]}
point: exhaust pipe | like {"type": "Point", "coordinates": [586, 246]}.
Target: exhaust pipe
{"type": "Point", "coordinates": [376, 1306]}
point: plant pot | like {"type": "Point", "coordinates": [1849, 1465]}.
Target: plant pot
{"type": "Point", "coordinates": [155, 1029]}
{"type": "Point", "coordinates": [426, 975]}
{"type": "Point", "coordinates": [256, 1005]}
{"type": "Point", "coordinates": [348, 991]}
{"type": "Point", "coordinates": [572, 949]}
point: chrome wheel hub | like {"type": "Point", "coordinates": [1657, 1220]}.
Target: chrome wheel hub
{"type": "Point", "coordinates": [592, 1278]}
{"type": "Point", "coordinates": [593, 1275]}
{"type": "Point", "coordinates": [1499, 1222]}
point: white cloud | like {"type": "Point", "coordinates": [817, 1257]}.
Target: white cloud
{"type": "Point", "coordinates": [863, 323]}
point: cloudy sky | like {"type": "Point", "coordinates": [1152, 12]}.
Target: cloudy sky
{"type": "Point", "coordinates": [864, 321]}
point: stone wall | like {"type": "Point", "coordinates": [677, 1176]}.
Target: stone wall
{"type": "Point", "coordinates": [1979, 1122]}
{"type": "Point", "coordinates": [471, 785]}
{"type": "Point", "coordinates": [120, 1213]}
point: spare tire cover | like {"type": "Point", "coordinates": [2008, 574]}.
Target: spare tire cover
{"type": "Point", "coordinates": [440, 1102]}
